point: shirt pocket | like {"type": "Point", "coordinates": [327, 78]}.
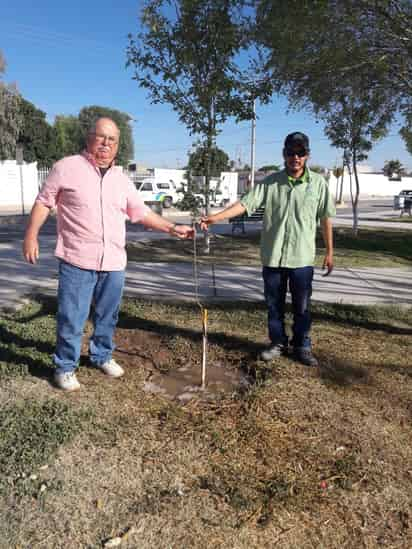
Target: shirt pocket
{"type": "Point", "coordinates": [75, 198]}
{"type": "Point", "coordinates": [117, 201]}
{"type": "Point", "coordinates": [310, 208]}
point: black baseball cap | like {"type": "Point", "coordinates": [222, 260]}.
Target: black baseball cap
{"type": "Point", "coordinates": [297, 139]}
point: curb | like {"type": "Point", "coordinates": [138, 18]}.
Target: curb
{"type": "Point", "coordinates": [13, 219]}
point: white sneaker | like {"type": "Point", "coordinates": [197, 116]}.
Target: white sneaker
{"type": "Point", "coordinates": [274, 351]}
{"type": "Point", "coordinates": [67, 381]}
{"type": "Point", "coordinates": [111, 368]}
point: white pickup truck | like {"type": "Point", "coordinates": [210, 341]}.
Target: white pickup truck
{"type": "Point", "coordinates": [216, 198]}
{"type": "Point", "coordinates": [165, 192]}
{"type": "Point", "coordinates": [403, 202]}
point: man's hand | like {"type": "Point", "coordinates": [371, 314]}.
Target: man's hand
{"type": "Point", "coordinates": [38, 216]}
{"type": "Point", "coordinates": [183, 231]}
{"type": "Point", "coordinates": [31, 249]}
{"type": "Point", "coordinates": [231, 211]}
{"type": "Point", "coordinates": [328, 264]}
{"type": "Point", "coordinates": [205, 222]}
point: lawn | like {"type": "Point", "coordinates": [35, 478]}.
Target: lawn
{"type": "Point", "coordinates": [407, 219]}
{"type": "Point", "coordinates": [371, 248]}
{"type": "Point", "coordinates": [303, 458]}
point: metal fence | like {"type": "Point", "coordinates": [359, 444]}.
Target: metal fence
{"type": "Point", "coordinates": [42, 173]}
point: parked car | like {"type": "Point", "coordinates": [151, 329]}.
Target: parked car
{"type": "Point", "coordinates": [403, 201]}
{"type": "Point", "coordinates": [164, 192]}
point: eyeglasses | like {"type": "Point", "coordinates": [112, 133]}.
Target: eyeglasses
{"type": "Point", "coordinates": [101, 137]}
{"type": "Point", "coordinates": [291, 153]}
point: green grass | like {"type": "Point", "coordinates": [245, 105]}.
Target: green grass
{"type": "Point", "coordinates": [370, 248]}
{"type": "Point", "coordinates": [31, 434]}
{"type": "Point", "coordinates": [373, 248]}
{"type": "Point", "coordinates": [407, 219]}
{"type": "Point", "coordinates": [32, 430]}
{"type": "Point", "coordinates": [27, 339]}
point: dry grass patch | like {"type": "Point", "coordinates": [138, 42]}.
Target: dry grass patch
{"type": "Point", "coordinates": [304, 458]}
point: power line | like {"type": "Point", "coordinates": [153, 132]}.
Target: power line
{"type": "Point", "coordinates": [38, 33]}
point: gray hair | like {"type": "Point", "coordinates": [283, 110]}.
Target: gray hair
{"type": "Point", "coordinates": [92, 128]}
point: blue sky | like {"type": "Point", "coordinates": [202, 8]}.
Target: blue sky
{"type": "Point", "coordinates": [67, 55]}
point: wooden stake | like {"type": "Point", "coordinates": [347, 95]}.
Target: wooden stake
{"type": "Point", "coordinates": [204, 351]}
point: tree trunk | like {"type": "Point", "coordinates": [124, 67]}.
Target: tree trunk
{"type": "Point", "coordinates": [355, 199]}
{"type": "Point", "coordinates": [341, 184]}
{"type": "Point", "coordinates": [209, 146]}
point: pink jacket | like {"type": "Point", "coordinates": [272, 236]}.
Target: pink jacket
{"type": "Point", "coordinates": [91, 212]}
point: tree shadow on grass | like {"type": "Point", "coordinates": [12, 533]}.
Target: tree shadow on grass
{"type": "Point", "coordinates": [361, 317]}
{"type": "Point", "coordinates": [342, 372]}
{"type": "Point", "coordinates": [337, 372]}
{"type": "Point", "coordinates": [389, 242]}
{"type": "Point", "coordinates": [16, 362]}
{"type": "Point", "coordinates": [399, 369]}
{"type": "Point", "coordinates": [228, 342]}
{"type": "Point", "coordinates": [332, 370]}
{"type": "Point", "coordinates": [47, 306]}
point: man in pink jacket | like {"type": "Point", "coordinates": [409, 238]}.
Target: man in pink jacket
{"type": "Point", "coordinates": [92, 197]}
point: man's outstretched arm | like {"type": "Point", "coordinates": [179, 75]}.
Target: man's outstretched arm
{"type": "Point", "coordinates": [38, 216]}
{"type": "Point", "coordinates": [231, 211]}
{"type": "Point", "coordinates": [157, 222]}
{"type": "Point", "coordinates": [327, 233]}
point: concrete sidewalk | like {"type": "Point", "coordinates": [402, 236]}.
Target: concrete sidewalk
{"type": "Point", "coordinates": [175, 281]}
{"type": "Point", "coordinates": [235, 283]}
{"type": "Point", "coordinates": [381, 219]}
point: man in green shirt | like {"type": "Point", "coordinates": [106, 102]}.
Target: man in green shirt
{"type": "Point", "coordinates": [294, 199]}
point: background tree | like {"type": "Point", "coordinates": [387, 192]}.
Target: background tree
{"type": "Point", "coordinates": [68, 137]}
{"type": "Point", "coordinates": [307, 48]}
{"type": "Point", "coordinates": [392, 167]}
{"type": "Point", "coordinates": [10, 116]}
{"type": "Point", "coordinates": [218, 161]}
{"type": "Point", "coordinates": [185, 56]}
{"type": "Point", "coordinates": [89, 115]}
{"type": "Point", "coordinates": [354, 120]}
{"type": "Point", "coordinates": [406, 132]}
{"type": "Point", "coordinates": [338, 172]}
{"type": "Point", "coordinates": [329, 58]}
{"type": "Point", "coordinates": [319, 169]}
{"type": "Point", "coordinates": [269, 168]}
{"type": "Point", "coordinates": [36, 135]}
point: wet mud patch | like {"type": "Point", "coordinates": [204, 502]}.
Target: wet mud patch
{"type": "Point", "coordinates": [172, 366]}
{"type": "Point", "coordinates": [184, 383]}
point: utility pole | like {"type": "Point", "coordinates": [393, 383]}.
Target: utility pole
{"type": "Point", "coordinates": [252, 147]}
{"type": "Point", "coordinates": [239, 157]}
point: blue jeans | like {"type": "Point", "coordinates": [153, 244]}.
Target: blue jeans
{"type": "Point", "coordinates": [78, 289]}
{"type": "Point", "coordinates": [300, 286]}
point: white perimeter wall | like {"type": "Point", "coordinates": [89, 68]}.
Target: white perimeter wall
{"type": "Point", "coordinates": [18, 185]}
{"type": "Point", "coordinates": [371, 186]}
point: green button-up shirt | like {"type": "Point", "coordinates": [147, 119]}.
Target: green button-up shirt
{"type": "Point", "coordinates": [292, 211]}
